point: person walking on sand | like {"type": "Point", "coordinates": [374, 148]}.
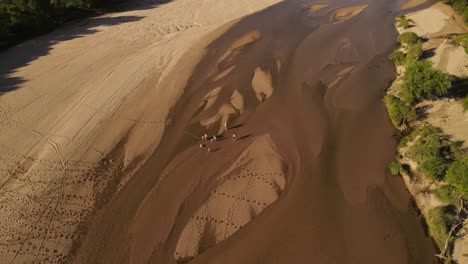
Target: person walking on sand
{"type": "Point", "coordinates": [202, 145]}
{"type": "Point", "coordinates": [205, 136]}
{"type": "Point", "coordinates": [213, 139]}
{"type": "Point", "coordinates": [234, 136]}
{"type": "Point", "coordinates": [225, 126]}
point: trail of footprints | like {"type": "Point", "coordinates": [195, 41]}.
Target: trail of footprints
{"type": "Point", "coordinates": [44, 201]}
{"type": "Point", "coordinates": [209, 223]}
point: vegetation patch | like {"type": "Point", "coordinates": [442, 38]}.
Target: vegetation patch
{"type": "Point", "coordinates": [439, 220]}
{"type": "Point", "coordinates": [461, 6]}
{"type": "Point", "coordinates": [408, 38]}
{"type": "Point", "coordinates": [462, 40]}
{"type": "Point", "coordinates": [399, 111]}
{"type": "Point", "coordinates": [457, 175]}
{"type": "Point", "coordinates": [422, 81]}
{"type": "Point", "coordinates": [394, 167]}
{"type": "Point", "coordinates": [404, 22]}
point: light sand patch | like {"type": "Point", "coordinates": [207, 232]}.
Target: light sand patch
{"type": "Point", "coordinates": [439, 19]}
{"type": "Point", "coordinates": [261, 84]}
{"type": "Point", "coordinates": [317, 7]}
{"type": "Point", "coordinates": [224, 73]}
{"type": "Point", "coordinates": [249, 186]}
{"type": "Point", "coordinates": [412, 3]}
{"type": "Point", "coordinates": [347, 13]}
{"type": "Point", "coordinates": [237, 100]}
{"type": "Point", "coordinates": [211, 97]}
{"type": "Point", "coordinates": [451, 58]}
{"type": "Point", "coordinates": [246, 39]}
{"type": "Point", "coordinates": [448, 115]}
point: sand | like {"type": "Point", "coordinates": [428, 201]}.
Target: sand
{"type": "Point", "coordinates": [319, 133]}
{"type": "Point", "coordinates": [306, 179]}
{"type": "Point", "coordinates": [70, 97]}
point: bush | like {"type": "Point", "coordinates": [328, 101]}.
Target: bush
{"type": "Point", "coordinates": [399, 111]}
{"type": "Point", "coordinates": [433, 167]}
{"type": "Point", "coordinates": [464, 103]}
{"type": "Point", "coordinates": [394, 168]}
{"type": "Point", "coordinates": [414, 52]}
{"type": "Point", "coordinates": [403, 22]}
{"type": "Point", "coordinates": [397, 57]}
{"type": "Point", "coordinates": [421, 81]}
{"type": "Point", "coordinates": [447, 194]}
{"type": "Point", "coordinates": [457, 175]}
{"type": "Point", "coordinates": [439, 220]}
{"type": "Point", "coordinates": [462, 40]}
{"type": "Point", "coordinates": [408, 38]}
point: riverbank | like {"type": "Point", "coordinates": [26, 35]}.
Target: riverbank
{"type": "Point", "coordinates": [432, 122]}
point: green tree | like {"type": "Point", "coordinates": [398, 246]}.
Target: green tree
{"type": "Point", "coordinates": [414, 52]}
{"type": "Point", "coordinates": [400, 112]}
{"type": "Point", "coordinates": [408, 38]}
{"type": "Point", "coordinates": [457, 175]}
{"type": "Point", "coordinates": [421, 81]}
{"type": "Point", "coordinates": [397, 57]}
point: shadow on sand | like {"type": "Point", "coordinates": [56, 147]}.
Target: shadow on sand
{"type": "Point", "coordinates": [24, 53]}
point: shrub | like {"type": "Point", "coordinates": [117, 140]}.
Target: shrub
{"type": "Point", "coordinates": [403, 22]}
{"type": "Point", "coordinates": [462, 40]}
{"type": "Point", "coordinates": [414, 52]}
{"type": "Point", "coordinates": [397, 57]}
{"type": "Point", "coordinates": [399, 111]}
{"type": "Point", "coordinates": [408, 38]}
{"type": "Point", "coordinates": [464, 103]}
{"type": "Point", "coordinates": [457, 175]}
{"type": "Point", "coordinates": [438, 221]}
{"type": "Point", "coordinates": [447, 194]}
{"type": "Point", "coordinates": [433, 167]}
{"type": "Point", "coordinates": [394, 167]}
{"type": "Point", "coordinates": [421, 81]}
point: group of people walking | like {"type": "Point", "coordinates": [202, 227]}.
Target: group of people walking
{"type": "Point", "coordinates": [214, 138]}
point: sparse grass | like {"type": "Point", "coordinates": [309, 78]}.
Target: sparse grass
{"type": "Point", "coordinates": [439, 220]}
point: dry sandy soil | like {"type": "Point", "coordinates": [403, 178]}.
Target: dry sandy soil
{"type": "Point", "coordinates": [131, 93]}
{"type": "Point", "coordinates": [70, 97]}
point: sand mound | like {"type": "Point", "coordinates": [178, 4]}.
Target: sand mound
{"type": "Point", "coordinates": [436, 20]}
{"type": "Point", "coordinates": [261, 84]}
{"type": "Point", "coordinates": [253, 183]}
{"type": "Point", "coordinates": [243, 41]}
{"type": "Point", "coordinates": [451, 58]}
{"type": "Point", "coordinates": [448, 115]}
{"type": "Point", "coordinates": [317, 7]}
{"type": "Point", "coordinates": [347, 13]}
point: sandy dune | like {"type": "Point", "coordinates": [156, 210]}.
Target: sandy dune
{"type": "Point", "coordinates": [71, 97]}
{"type": "Point", "coordinates": [243, 194]}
